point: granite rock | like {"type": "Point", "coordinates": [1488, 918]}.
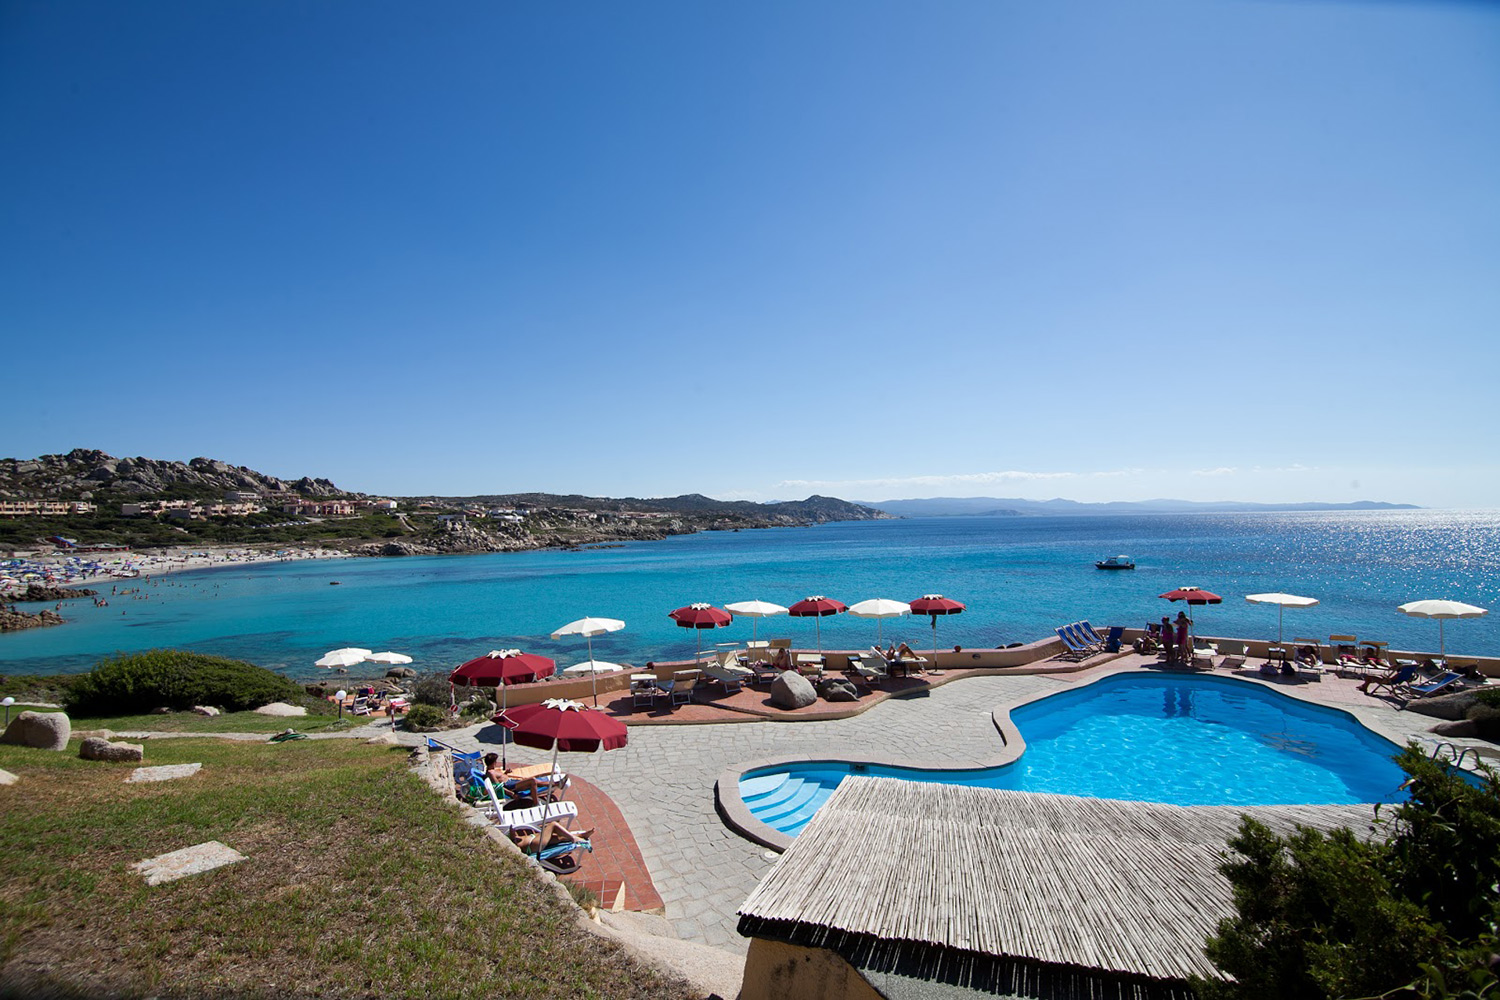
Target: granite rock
{"type": "Point", "coordinates": [43, 730]}
{"type": "Point", "coordinates": [791, 690]}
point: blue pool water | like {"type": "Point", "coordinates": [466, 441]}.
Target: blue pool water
{"type": "Point", "coordinates": [1144, 737]}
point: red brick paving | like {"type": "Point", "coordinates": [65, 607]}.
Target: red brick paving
{"type": "Point", "coordinates": [616, 863]}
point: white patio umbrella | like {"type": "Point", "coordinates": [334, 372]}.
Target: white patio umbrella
{"type": "Point", "coordinates": [1441, 610]}
{"type": "Point", "coordinates": [1282, 602]}
{"type": "Point", "coordinates": [588, 628]}
{"type": "Point", "coordinates": [754, 610]}
{"type": "Point", "coordinates": [346, 657]}
{"type": "Point", "coordinates": [593, 667]}
{"type": "Point", "coordinates": [389, 659]}
{"type": "Point", "coordinates": [879, 608]}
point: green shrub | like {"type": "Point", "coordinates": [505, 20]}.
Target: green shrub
{"type": "Point", "coordinates": [422, 716]}
{"type": "Point", "coordinates": [478, 707]}
{"type": "Point", "coordinates": [430, 689]}
{"type": "Point", "coordinates": [1486, 719]}
{"type": "Point", "coordinates": [1488, 696]}
{"type": "Point", "coordinates": [140, 682]}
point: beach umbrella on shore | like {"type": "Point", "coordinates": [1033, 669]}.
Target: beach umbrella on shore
{"type": "Point", "coordinates": [1193, 596]}
{"type": "Point", "coordinates": [880, 608]}
{"type": "Point", "coordinates": [389, 659]}
{"type": "Point", "coordinates": [1442, 611]}
{"type": "Point", "coordinates": [1282, 602]}
{"type": "Point", "coordinates": [346, 657]}
{"type": "Point", "coordinates": [817, 608]}
{"type": "Point", "coordinates": [559, 724]}
{"type": "Point", "coordinates": [700, 616]}
{"type": "Point", "coordinates": [500, 668]}
{"type": "Point", "coordinates": [935, 605]}
{"type": "Point", "coordinates": [588, 628]}
{"type": "Point", "coordinates": [755, 611]}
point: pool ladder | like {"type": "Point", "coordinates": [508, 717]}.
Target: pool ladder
{"type": "Point", "coordinates": [1456, 753]}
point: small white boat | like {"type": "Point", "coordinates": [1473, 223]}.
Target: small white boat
{"type": "Point", "coordinates": [1115, 562]}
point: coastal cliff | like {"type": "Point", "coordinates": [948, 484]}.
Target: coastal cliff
{"type": "Point", "coordinates": [87, 498]}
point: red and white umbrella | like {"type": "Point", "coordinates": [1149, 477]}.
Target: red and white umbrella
{"type": "Point", "coordinates": [817, 608]}
{"type": "Point", "coordinates": [934, 605]}
{"type": "Point", "coordinates": [500, 668]}
{"type": "Point", "coordinates": [700, 616]}
{"type": "Point", "coordinates": [559, 724]}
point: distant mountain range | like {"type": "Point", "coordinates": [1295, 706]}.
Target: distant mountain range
{"type": "Point", "coordinates": [814, 510]}
{"type": "Point", "coordinates": [997, 507]}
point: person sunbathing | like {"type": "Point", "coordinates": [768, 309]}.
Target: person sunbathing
{"type": "Point", "coordinates": [905, 652]}
{"type": "Point", "coordinates": [554, 833]}
{"type": "Point", "coordinates": [504, 778]}
{"type": "Point", "coordinates": [1309, 656]}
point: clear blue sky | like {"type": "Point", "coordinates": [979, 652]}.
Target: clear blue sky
{"type": "Point", "coordinates": [1208, 249]}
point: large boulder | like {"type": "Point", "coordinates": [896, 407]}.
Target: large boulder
{"type": "Point", "coordinates": [1447, 706]}
{"type": "Point", "coordinates": [1463, 727]}
{"type": "Point", "coordinates": [281, 708]}
{"type": "Point", "coordinates": [6, 778]}
{"type": "Point", "coordinates": [43, 730]}
{"type": "Point", "coordinates": [207, 710]}
{"type": "Point", "coordinates": [791, 690]}
{"type": "Point", "coordinates": [837, 689]}
{"type": "Point", "coordinates": [94, 748]}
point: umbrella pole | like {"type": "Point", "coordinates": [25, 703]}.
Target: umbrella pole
{"type": "Point", "coordinates": [504, 700]}
{"type": "Point", "coordinates": [593, 674]}
{"type": "Point", "coordinates": [934, 642]}
{"type": "Point", "coordinates": [1279, 611]}
{"type": "Point", "coordinates": [1442, 646]}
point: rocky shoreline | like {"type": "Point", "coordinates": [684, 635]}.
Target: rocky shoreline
{"type": "Point", "coordinates": [13, 621]}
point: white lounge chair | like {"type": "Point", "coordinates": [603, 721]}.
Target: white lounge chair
{"type": "Point", "coordinates": [537, 816]}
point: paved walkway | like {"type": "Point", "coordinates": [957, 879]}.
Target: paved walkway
{"type": "Point", "coordinates": [663, 780]}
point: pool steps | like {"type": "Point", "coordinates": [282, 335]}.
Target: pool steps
{"type": "Point", "coordinates": [785, 802]}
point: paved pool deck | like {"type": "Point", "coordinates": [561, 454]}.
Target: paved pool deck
{"type": "Point", "coordinates": [663, 780]}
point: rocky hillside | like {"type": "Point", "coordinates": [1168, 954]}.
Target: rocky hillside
{"type": "Point", "coordinates": [86, 470]}
{"type": "Point", "coordinates": [813, 510]}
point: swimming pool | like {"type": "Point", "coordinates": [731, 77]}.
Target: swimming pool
{"type": "Point", "coordinates": [1182, 740]}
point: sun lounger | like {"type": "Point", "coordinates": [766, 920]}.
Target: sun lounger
{"type": "Point", "coordinates": [864, 666]}
{"type": "Point", "coordinates": [681, 690]}
{"type": "Point", "coordinates": [1446, 684]}
{"type": "Point", "coordinates": [1393, 683]}
{"type": "Point", "coordinates": [1085, 637]}
{"type": "Point", "coordinates": [1088, 633]}
{"type": "Point", "coordinates": [535, 816]}
{"type": "Point", "coordinates": [1234, 654]}
{"type": "Point", "coordinates": [731, 680]}
{"type": "Point", "coordinates": [1203, 655]}
{"type": "Point", "coordinates": [1072, 650]}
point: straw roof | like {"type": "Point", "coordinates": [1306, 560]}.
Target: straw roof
{"type": "Point", "coordinates": [1131, 888]}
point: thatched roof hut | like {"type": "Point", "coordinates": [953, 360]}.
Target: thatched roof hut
{"type": "Point", "coordinates": [1026, 894]}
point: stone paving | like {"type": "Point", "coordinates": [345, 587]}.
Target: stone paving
{"type": "Point", "coordinates": [663, 780]}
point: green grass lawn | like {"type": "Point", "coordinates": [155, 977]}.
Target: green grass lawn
{"type": "Point", "coordinates": [230, 722]}
{"type": "Point", "coordinates": [360, 883]}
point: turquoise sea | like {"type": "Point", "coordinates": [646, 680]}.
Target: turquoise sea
{"type": "Point", "coordinates": [1019, 576]}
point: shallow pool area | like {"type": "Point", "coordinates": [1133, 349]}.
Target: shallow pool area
{"type": "Point", "coordinates": [1176, 739]}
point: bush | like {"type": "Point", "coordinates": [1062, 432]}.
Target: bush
{"type": "Point", "coordinates": [140, 682]}
{"type": "Point", "coordinates": [478, 707]}
{"type": "Point", "coordinates": [1488, 696]}
{"type": "Point", "coordinates": [1486, 719]}
{"type": "Point", "coordinates": [430, 689]}
{"type": "Point", "coordinates": [421, 717]}
{"type": "Point", "coordinates": [1328, 915]}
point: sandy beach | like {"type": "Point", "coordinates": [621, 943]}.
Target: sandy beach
{"type": "Point", "coordinates": [87, 569]}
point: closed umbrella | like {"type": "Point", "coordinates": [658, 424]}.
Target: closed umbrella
{"type": "Point", "coordinates": [1442, 611]}
{"type": "Point", "coordinates": [880, 608]}
{"type": "Point", "coordinates": [697, 617]}
{"type": "Point", "coordinates": [1282, 602]}
{"type": "Point", "coordinates": [935, 605]}
{"type": "Point", "coordinates": [817, 608]}
{"type": "Point", "coordinates": [588, 628]}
